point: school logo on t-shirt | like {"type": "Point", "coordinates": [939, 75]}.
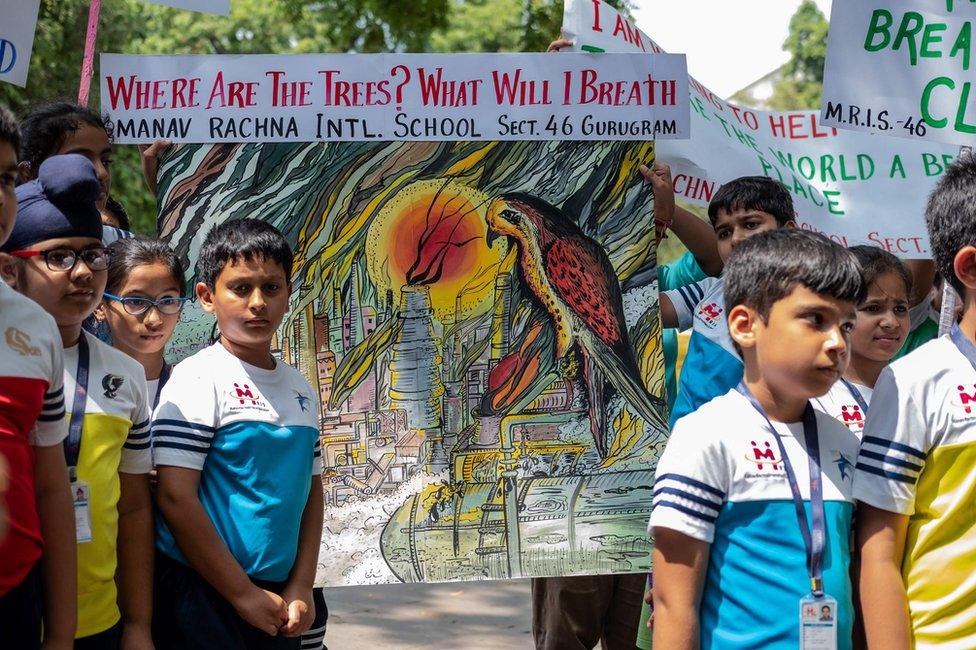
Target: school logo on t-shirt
{"type": "Point", "coordinates": [763, 455]}
{"type": "Point", "coordinates": [20, 342]}
{"type": "Point", "coordinates": [711, 314]}
{"type": "Point", "coordinates": [851, 416]}
{"type": "Point", "coordinates": [112, 383]}
{"type": "Point", "coordinates": [244, 396]}
{"type": "Point", "coordinates": [966, 400]}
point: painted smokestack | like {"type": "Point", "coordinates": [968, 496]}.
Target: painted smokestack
{"type": "Point", "coordinates": [416, 385]}
{"type": "Point", "coordinates": [500, 322]}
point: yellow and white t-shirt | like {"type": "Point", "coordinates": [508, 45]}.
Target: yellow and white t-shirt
{"type": "Point", "coordinates": [918, 458]}
{"type": "Point", "coordinates": [115, 438]}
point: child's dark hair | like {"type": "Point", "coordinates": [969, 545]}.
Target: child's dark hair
{"type": "Point", "coordinates": [46, 128]}
{"type": "Point", "coordinates": [951, 217]}
{"type": "Point", "coordinates": [127, 254]}
{"type": "Point", "coordinates": [8, 130]}
{"type": "Point", "coordinates": [767, 267]}
{"type": "Point", "coordinates": [115, 210]}
{"type": "Point", "coordinates": [244, 239]}
{"type": "Point", "coordinates": [875, 262]}
{"type": "Point", "coordinates": [753, 193]}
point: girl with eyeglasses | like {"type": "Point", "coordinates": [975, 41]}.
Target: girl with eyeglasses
{"type": "Point", "coordinates": [144, 295]}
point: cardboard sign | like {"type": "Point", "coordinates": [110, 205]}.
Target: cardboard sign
{"type": "Point", "coordinates": [852, 187]}
{"type": "Point", "coordinates": [18, 19]}
{"type": "Point", "coordinates": [902, 68]}
{"type": "Point", "coordinates": [402, 97]}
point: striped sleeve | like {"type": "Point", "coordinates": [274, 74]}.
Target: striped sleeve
{"type": "Point", "coordinates": [685, 299]}
{"type": "Point", "coordinates": [136, 452]}
{"type": "Point", "coordinates": [893, 449]}
{"type": "Point", "coordinates": [51, 427]}
{"type": "Point", "coordinates": [690, 487]}
{"type": "Point", "coordinates": [183, 424]}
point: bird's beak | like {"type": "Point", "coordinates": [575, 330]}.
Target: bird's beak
{"type": "Point", "coordinates": [491, 236]}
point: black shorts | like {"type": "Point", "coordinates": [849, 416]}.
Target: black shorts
{"type": "Point", "coordinates": [20, 613]}
{"type": "Point", "coordinates": [110, 639]}
{"type": "Point", "coordinates": [314, 639]}
{"type": "Point", "coordinates": [189, 614]}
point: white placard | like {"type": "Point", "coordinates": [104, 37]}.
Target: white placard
{"type": "Point", "coordinates": [349, 97]}
{"type": "Point", "coordinates": [219, 7]}
{"type": "Point", "coordinates": [854, 188]}
{"type": "Point", "coordinates": [902, 68]}
{"type": "Point", "coordinates": [18, 19]}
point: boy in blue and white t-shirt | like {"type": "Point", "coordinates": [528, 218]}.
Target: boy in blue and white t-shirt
{"type": "Point", "coordinates": [740, 209]}
{"type": "Point", "coordinates": [235, 440]}
{"type": "Point", "coordinates": [734, 562]}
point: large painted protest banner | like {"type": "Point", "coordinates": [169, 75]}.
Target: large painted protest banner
{"type": "Point", "coordinates": [18, 21]}
{"type": "Point", "coordinates": [323, 97]}
{"type": "Point", "coordinates": [902, 68]}
{"type": "Point", "coordinates": [855, 188]}
{"type": "Point", "coordinates": [482, 330]}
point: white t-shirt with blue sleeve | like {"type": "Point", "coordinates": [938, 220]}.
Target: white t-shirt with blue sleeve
{"type": "Point", "coordinates": [721, 480]}
{"type": "Point", "coordinates": [711, 366]}
{"type": "Point", "coordinates": [254, 436]}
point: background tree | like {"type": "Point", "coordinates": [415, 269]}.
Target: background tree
{"type": "Point", "coordinates": [801, 85]}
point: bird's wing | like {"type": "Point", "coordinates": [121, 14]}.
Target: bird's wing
{"type": "Point", "coordinates": [582, 275]}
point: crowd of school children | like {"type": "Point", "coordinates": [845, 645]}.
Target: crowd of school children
{"type": "Point", "coordinates": [815, 491]}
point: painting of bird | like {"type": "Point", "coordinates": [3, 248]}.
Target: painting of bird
{"type": "Point", "coordinates": [571, 278]}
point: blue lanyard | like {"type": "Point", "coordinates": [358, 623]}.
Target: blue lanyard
{"type": "Point", "coordinates": [72, 444]}
{"type": "Point", "coordinates": [856, 394]}
{"type": "Point", "coordinates": [163, 378]}
{"type": "Point", "coordinates": [964, 345]}
{"type": "Point", "coordinates": [814, 543]}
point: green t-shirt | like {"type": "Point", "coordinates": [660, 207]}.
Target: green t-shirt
{"type": "Point", "coordinates": [924, 327]}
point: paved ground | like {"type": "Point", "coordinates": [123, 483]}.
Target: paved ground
{"type": "Point", "coordinates": [455, 616]}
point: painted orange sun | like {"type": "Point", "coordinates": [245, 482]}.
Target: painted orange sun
{"type": "Point", "coordinates": [432, 233]}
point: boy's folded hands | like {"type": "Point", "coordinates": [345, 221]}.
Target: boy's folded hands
{"type": "Point", "coordinates": [263, 609]}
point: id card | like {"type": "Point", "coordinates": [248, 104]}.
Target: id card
{"type": "Point", "coordinates": [83, 525]}
{"type": "Point", "coordinates": [818, 623]}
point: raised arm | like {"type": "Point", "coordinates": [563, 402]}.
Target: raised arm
{"type": "Point", "coordinates": [697, 236]}
{"type": "Point", "coordinates": [923, 276]}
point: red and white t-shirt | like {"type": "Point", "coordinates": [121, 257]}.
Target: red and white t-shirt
{"type": "Point", "coordinates": [31, 415]}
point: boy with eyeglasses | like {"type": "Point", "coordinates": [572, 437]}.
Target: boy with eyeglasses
{"type": "Point", "coordinates": [61, 264]}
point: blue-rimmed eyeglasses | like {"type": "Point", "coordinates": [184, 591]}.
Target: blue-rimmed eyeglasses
{"type": "Point", "coordinates": [167, 305]}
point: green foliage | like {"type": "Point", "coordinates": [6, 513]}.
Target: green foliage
{"type": "Point", "coordinates": [801, 86]}
{"type": "Point", "coordinates": [266, 26]}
